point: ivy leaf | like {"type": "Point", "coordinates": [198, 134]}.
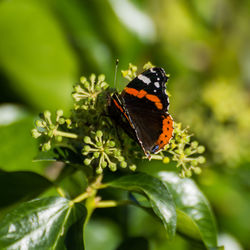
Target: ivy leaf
{"type": "Point", "coordinates": [194, 215]}
{"type": "Point", "coordinates": [16, 186]}
{"type": "Point", "coordinates": [157, 193]}
{"type": "Point", "coordinates": [40, 224]}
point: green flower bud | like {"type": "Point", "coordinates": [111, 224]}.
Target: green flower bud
{"type": "Point", "coordinates": [111, 143]}
{"type": "Point", "coordinates": [201, 159]}
{"type": "Point", "coordinates": [83, 79]}
{"type": "Point", "coordinates": [197, 170]}
{"type": "Point", "coordinates": [99, 133]}
{"type": "Point", "coordinates": [35, 133]}
{"type": "Point", "coordinates": [86, 148]}
{"type": "Point", "coordinates": [87, 162]}
{"type": "Point", "coordinates": [86, 85]}
{"type": "Point", "coordinates": [87, 139]}
{"type": "Point", "coordinates": [112, 166]}
{"type": "Point", "coordinates": [78, 88]}
{"type": "Point", "coordinates": [59, 138]}
{"type": "Point", "coordinates": [104, 164]}
{"type": "Point", "coordinates": [187, 151]}
{"type": "Point", "coordinates": [166, 160]}
{"type": "Point", "coordinates": [117, 153]}
{"type": "Point", "coordinates": [99, 170]}
{"type": "Point", "coordinates": [61, 120]}
{"type": "Point", "coordinates": [98, 88]}
{"type": "Point", "coordinates": [99, 144]}
{"type": "Point", "coordinates": [188, 173]}
{"type": "Point", "coordinates": [50, 133]}
{"type": "Point", "coordinates": [121, 158]}
{"type": "Point", "coordinates": [194, 162]}
{"type": "Point", "coordinates": [47, 114]}
{"type": "Point", "coordinates": [51, 126]}
{"type": "Point", "coordinates": [107, 150]}
{"type": "Point", "coordinates": [59, 113]}
{"type": "Point", "coordinates": [186, 139]}
{"type": "Point", "coordinates": [101, 77]}
{"type": "Point", "coordinates": [92, 77]}
{"type": "Point", "coordinates": [39, 123]}
{"type": "Point", "coordinates": [46, 146]}
{"type": "Point", "coordinates": [194, 144]}
{"type": "Point", "coordinates": [123, 164]}
{"type": "Point", "coordinates": [132, 167]}
{"type": "Point", "coordinates": [201, 149]}
{"type": "Point", "coordinates": [96, 154]}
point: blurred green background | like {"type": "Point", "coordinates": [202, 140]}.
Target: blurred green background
{"type": "Point", "coordinates": [45, 46]}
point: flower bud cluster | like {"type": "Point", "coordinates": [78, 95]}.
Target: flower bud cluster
{"type": "Point", "coordinates": [86, 92]}
{"type": "Point", "coordinates": [185, 152]}
{"type": "Point", "coordinates": [103, 153]}
{"type": "Point", "coordinates": [130, 74]}
{"type": "Point", "coordinates": [48, 130]}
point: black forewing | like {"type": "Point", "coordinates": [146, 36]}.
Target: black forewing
{"type": "Point", "coordinates": [155, 76]}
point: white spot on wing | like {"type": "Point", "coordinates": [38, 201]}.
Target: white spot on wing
{"type": "Point", "coordinates": [155, 90]}
{"type": "Point", "coordinates": [145, 79]}
{"type": "Point", "coordinates": [157, 85]}
{"type": "Point", "coordinates": [158, 79]}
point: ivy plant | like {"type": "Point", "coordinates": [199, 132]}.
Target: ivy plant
{"type": "Point", "coordinates": [103, 157]}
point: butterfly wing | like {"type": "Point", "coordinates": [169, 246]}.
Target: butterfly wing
{"type": "Point", "coordinates": [153, 128]}
{"type": "Point", "coordinates": [151, 86]}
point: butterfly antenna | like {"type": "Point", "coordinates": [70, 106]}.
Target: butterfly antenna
{"type": "Point", "coordinates": [116, 67]}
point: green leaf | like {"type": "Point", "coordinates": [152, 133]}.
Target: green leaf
{"type": "Point", "coordinates": [35, 54]}
{"type": "Point", "coordinates": [16, 186]}
{"type": "Point", "coordinates": [160, 198]}
{"type": "Point", "coordinates": [40, 224]}
{"type": "Point", "coordinates": [194, 215]}
{"type": "Point", "coordinates": [17, 147]}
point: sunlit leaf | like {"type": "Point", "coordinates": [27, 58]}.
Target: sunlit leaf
{"type": "Point", "coordinates": [39, 224]}
{"type": "Point", "coordinates": [194, 216]}
{"type": "Point", "coordinates": [157, 193]}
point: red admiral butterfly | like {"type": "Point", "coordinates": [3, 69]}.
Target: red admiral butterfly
{"type": "Point", "coordinates": [142, 110]}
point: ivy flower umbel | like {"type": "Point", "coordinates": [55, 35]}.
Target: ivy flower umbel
{"type": "Point", "coordinates": [48, 129]}
{"type": "Point", "coordinates": [185, 152]}
{"type": "Point", "coordinates": [86, 92]}
{"type": "Point", "coordinates": [104, 152]}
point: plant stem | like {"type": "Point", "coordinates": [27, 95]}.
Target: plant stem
{"type": "Point", "coordinates": [111, 203]}
{"type": "Point", "coordinates": [81, 197]}
{"type": "Point", "coordinates": [66, 134]}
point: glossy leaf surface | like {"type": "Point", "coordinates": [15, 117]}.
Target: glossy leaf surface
{"type": "Point", "coordinates": [39, 224]}
{"type": "Point", "coordinates": [194, 216]}
{"type": "Point", "coordinates": [156, 192]}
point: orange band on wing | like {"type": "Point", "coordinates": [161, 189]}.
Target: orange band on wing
{"type": "Point", "coordinates": [167, 130]}
{"type": "Point", "coordinates": [142, 93]}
